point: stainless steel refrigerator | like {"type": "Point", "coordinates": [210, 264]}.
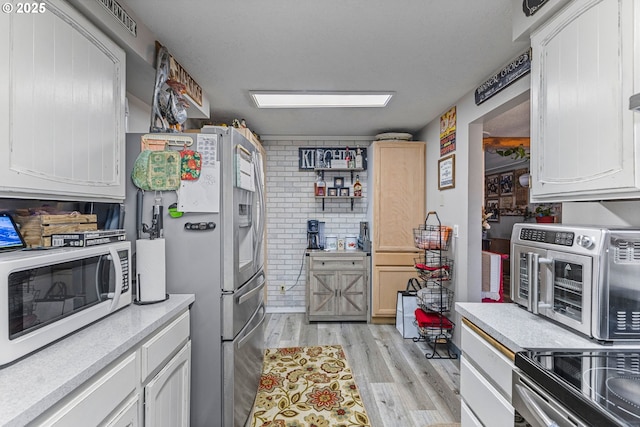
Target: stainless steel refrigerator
{"type": "Point", "coordinates": [214, 249]}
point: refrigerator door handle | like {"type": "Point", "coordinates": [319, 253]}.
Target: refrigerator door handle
{"type": "Point", "coordinates": [241, 342]}
{"type": "Point", "coordinates": [243, 298]}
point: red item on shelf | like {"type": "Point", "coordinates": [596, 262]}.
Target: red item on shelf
{"type": "Point", "coordinates": [431, 320]}
{"type": "Point", "coordinates": [426, 267]}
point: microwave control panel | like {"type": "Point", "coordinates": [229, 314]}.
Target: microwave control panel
{"type": "Point", "coordinates": [564, 238]}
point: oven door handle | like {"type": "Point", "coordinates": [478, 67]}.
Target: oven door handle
{"type": "Point", "coordinates": [537, 410]}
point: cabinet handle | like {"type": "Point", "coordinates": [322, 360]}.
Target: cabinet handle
{"type": "Point", "coordinates": [322, 262]}
{"type": "Point", "coordinates": [353, 263]}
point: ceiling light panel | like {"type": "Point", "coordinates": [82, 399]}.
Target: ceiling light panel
{"type": "Point", "coordinates": [271, 99]}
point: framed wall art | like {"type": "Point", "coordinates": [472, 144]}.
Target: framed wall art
{"type": "Point", "coordinates": [338, 182]}
{"type": "Point", "coordinates": [344, 191]}
{"type": "Point", "coordinates": [492, 186]}
{"type": "Point", "coordinates": [332, 191]}
{"type": "Point", "coordinates": [493, 206]}
{"type": "Point", "coordinates": [506, 184]}
{"type": "Point", "coordinates": [447, 172]}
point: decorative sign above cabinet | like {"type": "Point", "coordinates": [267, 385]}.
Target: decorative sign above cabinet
{"type": "Point", "coordinates": [120, 15]}
{"type": "Point", "coordinates": [503, 78]}
{"type": "Point", "coordinates": [312, 158]}
{"type": "Point", "coordinates": [529, 7]}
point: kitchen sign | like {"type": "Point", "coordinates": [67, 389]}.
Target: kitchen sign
{"type": "Point", "coordinates": [310, 158]}
{"type": "Point", "coordinates": [503, 78]}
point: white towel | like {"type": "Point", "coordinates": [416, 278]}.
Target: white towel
{"type": "Point", "coordinates": [491, 275]}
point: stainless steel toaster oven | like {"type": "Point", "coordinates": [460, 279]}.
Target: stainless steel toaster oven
{"type": "Point", "coordinates": [584, 277]}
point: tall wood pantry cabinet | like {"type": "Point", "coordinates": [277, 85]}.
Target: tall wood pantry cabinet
{"type": "Point", "coordinates": [62, 93]}
{"type": "Point", "coordinates": [397, 179]}
{"type": "Point", "coordinates": [583, 71]}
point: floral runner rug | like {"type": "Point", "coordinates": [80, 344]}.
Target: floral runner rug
{"type": "Point", "coordinates": [307, 387]}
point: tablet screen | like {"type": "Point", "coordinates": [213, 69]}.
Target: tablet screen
{"type": "Point", "coordinates": [10, 237]}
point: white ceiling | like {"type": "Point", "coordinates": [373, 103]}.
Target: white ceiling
{"type": "Point", "coordinates": [429, 52]}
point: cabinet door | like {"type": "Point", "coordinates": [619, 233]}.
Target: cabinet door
{"type": "Point", "coordinates": [167, 396]}
{"type": "Point", "coordinates": [62, 90]}
{"type": "Point", "coordinates": [387, 281]}
{"type": "Point", "coordinates": [323, 293]}
{"type": "Point", "coordinates": [352, 293]}
{"type": "Point", "coordinates": [398, 194]}
{"type": "Point", "coordinates": [582, 139]}
{"type": "Point", "coordinates": [128, 415]}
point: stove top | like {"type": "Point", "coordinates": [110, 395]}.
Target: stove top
{"type": "Point", "coordinates": [602, 387]}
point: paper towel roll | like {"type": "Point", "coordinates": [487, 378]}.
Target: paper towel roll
{"type": "Point", "coordinates": [151, 271]}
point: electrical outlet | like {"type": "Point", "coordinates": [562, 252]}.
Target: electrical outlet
{"type": "Point", "coordinates": [455, 231]}
{"type": "Point", "coordinates": [282, 289]}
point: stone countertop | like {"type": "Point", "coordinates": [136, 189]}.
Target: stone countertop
{"type": "Point", "coordinates": [518, 329]}
{"type": "Point", "coordinates": [33, 384]}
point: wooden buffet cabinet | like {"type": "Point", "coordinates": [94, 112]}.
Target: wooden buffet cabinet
{"type": "Point", "coordinates": [337, 284]}
{"type": "Point", "coordinates": [398, 199]}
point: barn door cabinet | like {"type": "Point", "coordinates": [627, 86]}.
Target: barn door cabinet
{"type": "Point", "coordinates": [62, 92]}
{"type": "Point", "coordinates": [148, 386]}
{"type": "Point", "coordinates": [582, 76]}
{"type": "Point", "coordinates": [337, 284]}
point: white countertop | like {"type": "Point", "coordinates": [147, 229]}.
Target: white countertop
{"type": "Point", "coordinates": [517, 329]}
{"type": "Point", "coordinates": [35, 383]}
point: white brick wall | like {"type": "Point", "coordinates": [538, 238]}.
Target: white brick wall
{"type": "Point", "coordinates": [290, 203]}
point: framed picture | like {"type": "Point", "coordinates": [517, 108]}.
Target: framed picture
{"type": "Point", "coordinates": [338, 181]}
{"type": "Point", "coordinates": [507, 202]}
{"type": "Point", "coordinates": [447, 172]}
{"type": "Point", "coordinates": [493, 206]}
{"type": "Point", "coordinates": [492, 186]}
{"type": "Point", "coordinates": [344, 191]}
{"type": "Point", "coordinates": [506, 184]}
{"type": "Point", "coordinates": [332, 191]}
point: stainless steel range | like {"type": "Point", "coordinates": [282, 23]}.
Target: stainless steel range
{"type": "Point", "coordinates": [578, 388]}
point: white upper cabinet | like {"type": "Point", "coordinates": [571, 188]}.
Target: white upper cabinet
{"type": "Point", "coordinates": [62, 95]}
{"type": "Point", "coordinates": [584, 69]}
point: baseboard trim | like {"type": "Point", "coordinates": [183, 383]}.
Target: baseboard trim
{"type": "Point", "coordinates": [285, 309]}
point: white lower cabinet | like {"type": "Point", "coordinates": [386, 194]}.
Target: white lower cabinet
{"type": "Point", "coordinates": [149, 385]}
{"type": "Point", "coordinates": [166, 397]}
{"type": "Point", "coordinates": [485, 380]}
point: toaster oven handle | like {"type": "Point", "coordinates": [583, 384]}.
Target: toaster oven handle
{"type": "Point", "coordinates": [117, 288]}
{"type": "Point", "coordinates": [534, 271]}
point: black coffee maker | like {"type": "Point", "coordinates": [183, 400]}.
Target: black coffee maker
{"type": "Point", "coordinates": [313, 239]}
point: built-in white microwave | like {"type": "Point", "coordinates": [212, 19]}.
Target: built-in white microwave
{"type": "Point", "coordinates": [48, 294]}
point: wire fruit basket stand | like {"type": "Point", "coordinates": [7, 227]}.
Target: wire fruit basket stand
{"type": "Point", "coordinates": [434, 300]}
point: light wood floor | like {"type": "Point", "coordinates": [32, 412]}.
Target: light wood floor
{"type": "Point", "coordinates": [399, 386]}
